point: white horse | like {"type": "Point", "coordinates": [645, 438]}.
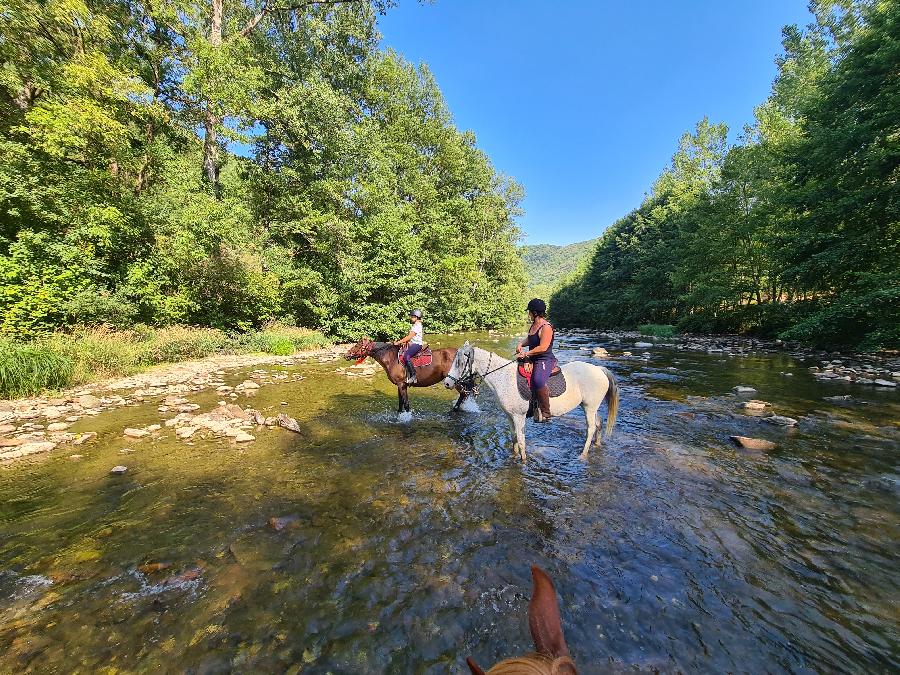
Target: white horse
{"type": "Point", "coordinates": [587, 385]}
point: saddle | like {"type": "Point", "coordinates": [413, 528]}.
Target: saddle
{"type": "Point", "coordinates": [423, 358]}
{"type": "Point", "coordinates": [556, 383]}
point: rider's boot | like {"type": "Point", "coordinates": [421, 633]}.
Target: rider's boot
{"type": "Point", "coordinates": [543, 397]}
{"type": "Point", "coordinates": [410, 372]}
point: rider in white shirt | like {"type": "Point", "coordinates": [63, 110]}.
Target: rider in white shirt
{"type": "Point", "coordinates": [414, 342]}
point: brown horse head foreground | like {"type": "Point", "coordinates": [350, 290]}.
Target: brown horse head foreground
{"type": "Point", "coordinates": [387, 354]}
{"type": "Point", "coordinates": [552, 653]}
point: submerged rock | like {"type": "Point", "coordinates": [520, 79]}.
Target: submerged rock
{"type": "Point", "coordinates": [781, 420]}
{"type": "Point", "coordinates": [600, 353]}
{"type": "Point", "coordinates": [279, 523]}
{"type": "Point", "coordinates": [289, 423]}
{"type": "Point", "coordinates": [85, 437]}
{"type": "Point", "coordinates": [136, 433]}
{"type": "Point", "coordinates": [753, 443]}
{"type": "Point", "coordinates": [884, 383]}
{"type": "Point", "coordinates": [755, 404]}
{"type": "Point", "coordinates": [743, 389]}
{"type": "Point", "coordinates": [118, 470]}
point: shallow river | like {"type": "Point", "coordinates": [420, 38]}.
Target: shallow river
{"type": "Point", "coordinates": [408, 545]}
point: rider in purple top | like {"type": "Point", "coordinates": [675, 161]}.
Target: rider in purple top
{"type": "Point", "coordinates": [540, 354]}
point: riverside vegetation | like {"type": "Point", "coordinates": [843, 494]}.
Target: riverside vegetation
{"type": "Point", "coordinates": [227, 165]}
{"type": "Point", "coordinates": [64, 360]}
{"type": "Point", "coordinates": [792, 232]}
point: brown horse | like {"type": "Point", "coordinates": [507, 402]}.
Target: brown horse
{"type": "Point", "coordinates": [387, 354]}
{"type": "Point", "coordinates": [552, 653]}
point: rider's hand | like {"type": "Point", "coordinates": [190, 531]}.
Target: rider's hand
{"type": "Point", "coordinates": [519, 351]}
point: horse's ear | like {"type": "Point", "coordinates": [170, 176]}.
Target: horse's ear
{"type": "Point", "coordinates": [543, 616]}
{"type": "Point", "coordinates": [474, 667]}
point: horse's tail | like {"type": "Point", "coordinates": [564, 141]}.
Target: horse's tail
{"type": "Point", "coordinates": [612, 400]}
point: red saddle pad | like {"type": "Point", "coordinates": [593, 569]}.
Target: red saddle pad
{"type": "Point", "coordinates": [423, 358]}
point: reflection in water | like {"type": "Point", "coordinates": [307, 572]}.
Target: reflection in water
{"type": "Point", "coordinates": [405, 547]}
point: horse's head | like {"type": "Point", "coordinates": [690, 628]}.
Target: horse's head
{"type": "Point", "coordinates": [552, 657]}
{"type": "Point", "coordinates": [460, 369]}
{"type": "Point", "coordinates": [360, 350]}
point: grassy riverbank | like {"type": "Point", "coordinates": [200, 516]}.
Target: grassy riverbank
{"type": "Point", "coordinates": [70, 359]}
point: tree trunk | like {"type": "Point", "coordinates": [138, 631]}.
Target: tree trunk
{"type": "Point", "coordinates": [210, 120]}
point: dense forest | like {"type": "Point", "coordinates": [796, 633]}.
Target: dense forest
{"type": "Point", "coordinates": [795, 230]}
{"type": "Point", "coordinates": [228, 163]}
{"type": "Point", "coordinates": [547, 264]}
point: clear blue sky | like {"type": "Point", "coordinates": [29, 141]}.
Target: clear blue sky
{"type": "Point", "coordinates": [583, 101]}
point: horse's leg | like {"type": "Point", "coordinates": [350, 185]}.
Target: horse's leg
{"type": "Point", "coordinates": [405, 398]}
{"type": "Point", "coordinates": [598, 435]}
{"type": "Point", "coordinates": [401, 395]}
{"type": "Point", "coordinates": [515, 433]}
{"type": "Point", "coordinates": [519, 428]}
{"type": "Point", "coordinates": [462, 397]}
{"type": "Point", "coordinates": [590, 414]}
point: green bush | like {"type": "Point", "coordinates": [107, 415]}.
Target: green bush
{"type": "Point", "coordinates": [28, 369]}
{"type": "Point", "coordinates": [281, 340]}
{"type": "Point", "coordinates": [657, 330]}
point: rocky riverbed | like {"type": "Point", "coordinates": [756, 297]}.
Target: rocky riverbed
{"type": "Point", "coordinates": [38, 425]}
{"type": "Point", "coordinates": [277, 516]}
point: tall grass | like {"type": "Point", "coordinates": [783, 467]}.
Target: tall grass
{"type": "Point", "coordinates": [90, 354]}
{"type": "Point", "coordinates": [28, 369]}
{"type": "Point", "coordinates": [179, 343]}
{"type": "Point", "coordinates": [657, 330]}
{"type": "Point", "coordinates": [96, 353]}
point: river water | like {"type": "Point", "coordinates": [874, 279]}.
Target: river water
{"type": "Point", "coordinates": [407, 547]}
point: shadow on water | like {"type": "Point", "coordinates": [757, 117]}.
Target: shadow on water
{"type": "Point", "coordinates": [404, 548]}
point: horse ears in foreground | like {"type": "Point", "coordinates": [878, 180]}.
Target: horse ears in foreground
{"type": "Point", "coordinates": [544, 621]}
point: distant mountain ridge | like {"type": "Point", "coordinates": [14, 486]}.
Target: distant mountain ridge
{"type": "Point", "coordinates": [547, 264]}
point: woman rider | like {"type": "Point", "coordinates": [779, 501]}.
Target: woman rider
{"type": "Point", "coordinates": [540, 354]}
{"type": "Point", "coordinates": [415, 341]}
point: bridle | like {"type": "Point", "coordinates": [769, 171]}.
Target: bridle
{"type": "Point", "coordinates": [466, 380]}
{"type": "Point", "coordinates": [368, 349]}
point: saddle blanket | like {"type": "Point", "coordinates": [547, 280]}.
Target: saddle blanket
{"type": "Point", "coordinates": [423, 358]}
{"type": "Point", "coordinates": [557, 383]}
